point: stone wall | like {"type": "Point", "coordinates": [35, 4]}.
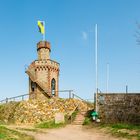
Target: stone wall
{"type": "Point", "coordinates": [116, 107]}
{"type": "Point", "coordinates": [35, 111]}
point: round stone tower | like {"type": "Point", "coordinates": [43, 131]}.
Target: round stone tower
{"type": "Point", "coordinates": [43, 73]}
{"type": "Point", "coordinates": [43, 50]}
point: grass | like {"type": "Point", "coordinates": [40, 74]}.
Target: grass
{"type": "Point", "coordinates": [126, 126]}
{"type": "Point", "coordinates": [49, 124]}
{"type": "Point", "coordinates": [73, 115]}
{"type": "Point", "coordinates": [128, 131]}
{"type": "Point", "coordinates": [52, 124]}
{"type": "Point", "coordinates": [8, 134]}
{"type": "Point", "coordinates": [87, 121]}
{"type": "Point", "coordinates": [69, 119]}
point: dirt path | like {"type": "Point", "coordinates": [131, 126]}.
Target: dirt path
{"type": "Point", "coordinates": [71, 132]}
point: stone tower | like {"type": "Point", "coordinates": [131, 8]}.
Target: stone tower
{"type": "Point", "coordinates": [43, 74]}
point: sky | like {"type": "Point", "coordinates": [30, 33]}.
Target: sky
{"type": "Point", "coordinates": [70, 28]}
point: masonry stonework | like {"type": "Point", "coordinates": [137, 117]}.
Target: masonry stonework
{"type": "Point", "coordinates": [116, 107]}
{"type": "Point", "coordinates": [43, 73]}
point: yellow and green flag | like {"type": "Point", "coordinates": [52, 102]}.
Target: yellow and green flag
{"type": "Point", "coordinates": [41, 27]}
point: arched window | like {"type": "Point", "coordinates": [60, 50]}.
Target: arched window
{"type": "Point", "coordinates": [53, 85]}
{"type": "Point", "coordinates": [33, 86]}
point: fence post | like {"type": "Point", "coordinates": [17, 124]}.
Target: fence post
{"type": "Point", "coordinates": [69, 94]}
{"type": "Point", "coordinates": [6, 100]}
{"type": "Point", "coordinates": [73, 95]}
{"type": "Point", "coordinates": [22, 97]}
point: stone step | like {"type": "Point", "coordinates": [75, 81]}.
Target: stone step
{"type": "Point", "coordinates": [79, 118]}
{"type": "Point", "coordinates": [77, 123]}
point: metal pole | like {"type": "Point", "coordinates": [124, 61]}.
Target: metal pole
{"type": "Point", "coordinates": [69, 94]}
{"type": "Point", "coordinates": [22, 97]}
{"type": "Point", "coordinates": [107, 78]}
{"type": "Point", "coordinates": [6, 100]}
{"type": "Point", "coordinates": [73, 95]}
{"type": "Point", "coordinates": [96, 64]}
{"type": "Point", "coordinates": [126, 89]}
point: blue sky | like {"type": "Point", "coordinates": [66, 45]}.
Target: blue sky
{"type": "Point", "coordinates": [70, 30]}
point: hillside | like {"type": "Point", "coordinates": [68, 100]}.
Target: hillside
{"type": "Point", "coordinates": [35, 111]}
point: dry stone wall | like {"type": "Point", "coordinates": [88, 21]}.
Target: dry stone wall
{"type": "Point", "coordinates": [119, 108]}
{"type": "Point", "coordinates": [35, 111]}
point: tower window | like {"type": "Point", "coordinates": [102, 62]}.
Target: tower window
{"type": "Point", "coordinates": [53, 85]}
{"type": "Point", "coordinates": [33, 86]}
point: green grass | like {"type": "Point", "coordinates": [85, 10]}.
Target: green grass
{"type": "Point", "coordinates": [69, 119]}
{"type": "Point", "coordinates": [87, 121]}
{"type": "Point", "coordinates": [126, 126]}
{"type": "Point", "coordinates": [8, 134]}
{"type": "Point", "coordinates": [73, 115]}
{"type": "Point", "coordinates": [128, 131]}
{"type": "Point", "coordinates": [49, 124]}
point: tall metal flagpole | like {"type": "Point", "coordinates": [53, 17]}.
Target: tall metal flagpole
{"type": "Point", "coordinates": [107, 78]}
{"type": "Point", "coordinates": [96, 65]}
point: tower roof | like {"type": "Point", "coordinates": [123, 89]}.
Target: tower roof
{"type": "Point", "coordinates": [43, 44]}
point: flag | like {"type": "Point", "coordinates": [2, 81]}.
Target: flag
{"type": "Point", "coordinates": [41, 27]}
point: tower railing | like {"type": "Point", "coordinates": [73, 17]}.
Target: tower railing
{"type": "Point", "coordinates": [64, 94]}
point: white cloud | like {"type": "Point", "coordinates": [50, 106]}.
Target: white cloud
{"type": "Point", "coordinates": [84, 35]}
